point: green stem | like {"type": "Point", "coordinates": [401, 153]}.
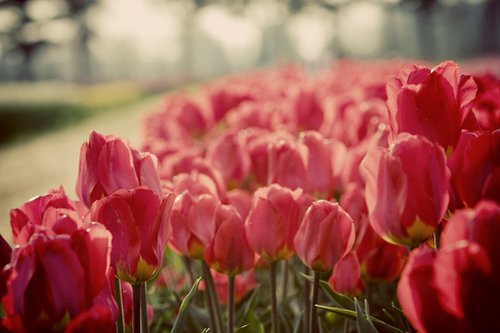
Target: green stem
{"type": "Point", "coordinates": [285, 281]}
{"type": "Point", "coordinates": [189, 269]}
{"type": "Point", "coordinates": [213, 301]}
{"type": "Point", "coordinates": [230, 305]}
{"type": "Point", "coordinates": [136, 308]}
{"type": "Point", "coordinates": [307, 300]}
{"type": "Point", "coordinates": [120, 325]}
{"type": "Point", "coordinates": [274, 302]}
{"type": "Point", "coordinates": [313, 325]}
{"type": "Point", "coordinates": [144, 309]}
{"type": "Point", "coordinates": [437, 236]}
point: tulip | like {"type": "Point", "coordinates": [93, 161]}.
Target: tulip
{"type": "Point", "coordinates": [346, 276]}
{"type": "Point", "coordinates": [440, 290]}
{"type": "Point", "coordinates": [406, 189]}
{"type": "Point", "coordinates": [274, 220]}
{"type": "Point", "coordinates": [325, 236]}
{"type": "Point", "coordinates": [431, 102]}
{"type": "Point", "coordinates": [487, 103]}
{"type": "Point", "coordinates": [98, 318]}
{"type": "Point", "coordinates": [138, 221]}
{"type": "Point", "coordinates": [475, 167]}
{"type": "Point", "coordinates": [228, 154]}
{"type": "Point", "coordinates": [319, 166]}
{"type": "Point", "coordinates": [5, 253]}
{"type": "Point", "coordinates": [193, 223]}
{"type": "Point", "coordinates": [51, 281]}
{"type": "Point", "coordinates": [108, 163]}
{"type": "Point", "coordinates": [287, 164]}
{"type": "Point", "coordinates": [53, 211]}
{"type": "Point", "coordinates": [241, 200]}
{"type": "Point", "coordinates": [229, 251]}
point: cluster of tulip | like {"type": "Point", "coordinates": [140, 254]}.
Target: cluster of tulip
{"type": "Point", "coordinates": [377, 181]}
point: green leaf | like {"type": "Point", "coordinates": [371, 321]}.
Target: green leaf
{"type": "Point", "coordinates": [339, 299]}
{"type": "Point", "coordinates": [352, 315]}
{"type": "Point", "coordinates": [253, 327]}
{"type": "Point", "coordinates": [184, 308]}
{"type": "Point", "coordinates": [247, 313]}
{"type": "Point", "coordinates": [363, 322]}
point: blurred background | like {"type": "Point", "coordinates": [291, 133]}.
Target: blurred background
{"type": "Point", "coordinates": [70, 66]}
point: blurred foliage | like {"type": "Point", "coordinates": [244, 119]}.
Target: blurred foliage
{"type": "Point", "coordinates": [25, 114]}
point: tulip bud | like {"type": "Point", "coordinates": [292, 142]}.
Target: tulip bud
{"type": "Point", "coordinates": [108, 163]}
{"type": "Point", "coordinates": [406, 189]}
{"type": "Point", "coordinates": [432, 103]}
{"type": "Point", "coordinates": [193, 223]}
{"type": "Point", "coordinates": [138, 221]}
{"type": "Point", "coordinates": [229, 251]}
{"type": "Point", "coordinates": [274, 220]}
{"type": "Point", "coordinates": [325, 236]}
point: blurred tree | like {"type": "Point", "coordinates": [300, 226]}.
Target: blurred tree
{"type": "Point", "coordinates": [26, 36]}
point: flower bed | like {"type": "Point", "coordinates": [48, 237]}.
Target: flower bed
{"type": "Point", "coordinates": [364, 199]}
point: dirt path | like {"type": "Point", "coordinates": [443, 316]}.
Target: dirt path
{"type": "Point", "coordinates": [31, 168]}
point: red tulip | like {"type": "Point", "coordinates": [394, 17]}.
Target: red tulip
{"type": "Point", "coordinates": [406, 189]}
{"type": "Point", "coordinates": [475, 167]}
{"type": "Point", "coordinates": [274, 220]}
{"type": "Point", "coordinates": [431, 102]}
{"type": "Point", "coordinates": [325, 236]}
{"type": "Point", "coordinates": [138, 221]}
{"type": "Point", "coordinates": [228, 251]}
{"type": "Point", "coordinates": [97, 319]}
{"type": "Point", "coordinates": [108, 163]}
{"type": "Point", "coordinates": [379, 260]}
{"type": "Point", "coordinates": [5, 253]}
{"type": "Point", "coordinates": [487, 103]}
{"type": "Point", "coordinates": [452, 288]}
{"type": "Point", "coordinates": [53, 211]}
{"type": "Point", "coordinates": [51, 280]}
{"type": "Point", "coordinates": [193, 223]}
{"type": "Point", "coordinates": [346, 276]}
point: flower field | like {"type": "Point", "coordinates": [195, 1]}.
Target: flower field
{"type": "Point", "coordinates": [365, 198]}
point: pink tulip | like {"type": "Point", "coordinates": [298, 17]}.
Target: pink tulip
{"type": "Point", "coordinates": [228, 154]}
{"type": "Point", "coordinates": [274, 220]}
{"type": "Point", "coordinates": [406, 189]}
{"type": "Point", "coordinates": [228, 251]}
{"type": "Point", "coordinates": [138, 221]}
{"type": "Point", "coordinates": [346, 276]}
{"type": "Point", "coordinates": [475, 167]}
{"type": "Point", "coordinates": [108, 164]}
{"type": "Point", "coordinates": [431, 102]}
{"type": "Point", "coordinates": [319, 166]}
{"type": "Point", "coordinates": [193, 223]}
{"type": "Point", "coordinates": [241, 200]}
{"type": "Point", "coordinates": [325, 236]}
{"type": "Point", "coordinates": [287, 164]}
{"type": "Point", "coordinates": [51, 280]}
{"type": "Point", "coordinates": [53, 211]}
